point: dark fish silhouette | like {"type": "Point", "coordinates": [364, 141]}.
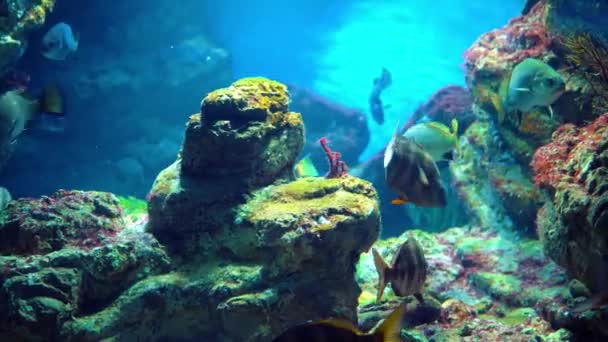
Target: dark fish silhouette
{"type": "Point", "coordinates": [407, 272]}
{"type": "Point", "coordinates": [411, 172]}
{"type": "Point", "coordinates": [338, 330]}
{"type": "Point", "coordinates": [375, 103]}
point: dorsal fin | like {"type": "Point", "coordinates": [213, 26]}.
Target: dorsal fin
{"type": "Point", "coordinates": [388, 152]}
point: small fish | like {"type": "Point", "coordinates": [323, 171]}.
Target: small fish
{"type": "Point", "coordinates": [5, 198]}
{"type": "Point", "coordinates": [407, 272]}
{"type": "Point", "coordinates": [375, 103]}
{"type": "Point", "coordinates": [305, 168]}
{"type": "Point", "coordinates": [17, 108]}
{"type": "Point", "coordinates": [412, 173]}
{"type": "Point", "coordinates": [532, 83]}
{"type": "Point", "coordinates": [59, 42]}
{"type": "Point", "coordinates": [338, 330]}
{"type": "Point", "coordinates": [435, 138]}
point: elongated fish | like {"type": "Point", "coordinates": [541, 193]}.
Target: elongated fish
{"type": "Point", "coordinates": [412, 174]}
{"type": "Point", "coordinates": [375, 103]}
{"type": "Point", "coordinates": [407, 272]}
{"type": "Point", "coordinates": [338, 330]}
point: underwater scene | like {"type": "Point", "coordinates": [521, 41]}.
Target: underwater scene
{"type": "Point", "coordinates": [287, 171]}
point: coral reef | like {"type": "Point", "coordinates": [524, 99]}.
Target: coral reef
{"type": "Point", "coordinates": [447, 103]}
{"type": "Point", "coordinates": [480, 285]}
{"type": "Point", "coordinates": [572, 226]}
{"type": "Point", "coordinates": [65, 256]}
{"type": "Point", "coordinates": [344, 127]}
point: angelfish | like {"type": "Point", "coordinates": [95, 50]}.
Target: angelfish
{"type": "Point", "coordinates": [407, 272]}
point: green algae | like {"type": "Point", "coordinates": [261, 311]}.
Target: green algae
{"type": "Point", "coordinates": [512, 317]}
{"type": "Point", "coordinates": [132, 206]}
{"type": "Point", "coordinates": [497, 284]}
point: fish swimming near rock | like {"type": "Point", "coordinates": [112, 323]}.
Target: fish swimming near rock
{"type": "Point", "coordinates": [436, 138]}
{"type": "Point", "coordinates": [375, 103]}
{"type": "Point", "coordinates": [17, 108]}
{"type": "Point", "coordinates": [305, 168]}
{"type": "Point", "coordinates": [5, 197]}
{"type": "Point", "coordinates": [407, 272]}
{"type": "Point", "coordinates": [412, 173]}
{"type": "Point", "coordinates": [337, 330]}
{"type": "Point", "coordinates": [59, 42]}
{"type": "Point", "coordinates": [532, 83]}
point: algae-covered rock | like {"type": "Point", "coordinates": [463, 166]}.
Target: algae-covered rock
{"type": "Point", "coordinates": [77, 218]}
{"type": "Point", "coordinates": [246, 132]}
{"type": "Point", "coordinates": [72, 255]}
{"type": "Point", "coordinates": [253, 277]}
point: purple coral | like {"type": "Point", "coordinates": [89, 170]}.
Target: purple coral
{"type": "Point", "coordinates": [337, 167]}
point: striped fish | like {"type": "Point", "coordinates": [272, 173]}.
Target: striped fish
{"type": "Point", "coordinates": [336, 330]}
{"type": "Point", "coordinates": [407, 273]}
{"type": "Point", "coordinates": [412, 174]}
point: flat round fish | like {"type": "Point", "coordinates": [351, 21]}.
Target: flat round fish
{"type": "Point", "coordinates": [409, 269]}
{"type": "Point", "coordinates": [413, 174]}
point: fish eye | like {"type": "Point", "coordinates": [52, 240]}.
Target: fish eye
{"type": "Point", "coordinates": [551, 82]}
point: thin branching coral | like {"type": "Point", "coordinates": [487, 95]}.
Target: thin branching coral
{"type": "Point", "coordinates": [589, 54]}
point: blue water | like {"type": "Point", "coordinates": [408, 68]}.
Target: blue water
{"type": "Point", "coordinates": [128, 94]}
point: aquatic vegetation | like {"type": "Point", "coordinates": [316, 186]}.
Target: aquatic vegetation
{"type": "Point", "coordinates": [337, 167]}
{"type": "Point", "coordinates": [590, 55]}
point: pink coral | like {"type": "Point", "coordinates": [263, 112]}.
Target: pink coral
{"type": "Point", "coordinates": [569, 146]}
{"type": "Point", "coordinates": [523, 37]}
{"type": "Point", "coordinates": [337, 167]}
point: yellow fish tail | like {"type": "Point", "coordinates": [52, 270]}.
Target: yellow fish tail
{"type": "Point", "coordinates": [390, 330]}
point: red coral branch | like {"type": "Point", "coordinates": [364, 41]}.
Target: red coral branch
{"type": "Point", "coordinates": [337, 167]}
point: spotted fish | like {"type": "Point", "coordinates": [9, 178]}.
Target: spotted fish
{"type": "Point", "coordinates": [407, 273]}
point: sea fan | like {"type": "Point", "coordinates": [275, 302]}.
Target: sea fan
{"type": "Point", "coordinates": [588, 53]}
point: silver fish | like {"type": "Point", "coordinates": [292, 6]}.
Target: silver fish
{"type": "Point", "coordinates": [59, 42]}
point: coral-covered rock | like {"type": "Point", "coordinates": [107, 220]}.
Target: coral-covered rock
{"type": "Point", "coordinates": [342, 126]}
{"type": "Point", "coordinates": [64, 266]}
{"type": "Point", "coordinates": [66, 218]}
{"type": "Point", "coordinates": [245, 132]}
{"type": "Point", "coordinates": [447, 103]}
{"type": "Point", "coordinates": [574, 167]}
{"type": "Point", "coordinates": [250, 257]}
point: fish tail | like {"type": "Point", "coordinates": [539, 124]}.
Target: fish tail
{"type": "Point", "coordinates": [382, 269]}
{"type": "Point", "coordinates": [51, 101]}
{"type": "Point", "coordinates": [390, 330]}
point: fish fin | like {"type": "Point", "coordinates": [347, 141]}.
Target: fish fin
{"type": "Point", "coordinates": [550, 111]}
{"type": "Point", "coordinates": [51, 101]}
{"type": "Point", "coordinates": [399, 201]}
{"type": "Point", "coordinates": [390, 330]}
{"type": "Point", "coordinates": [523, 89]}
{"type": "Point", "coordinates": [422, 176]}
{"type": "Point", "coordinates": [342, 324]}
{"type": "Point", "coordinates": [455, 133]}
{"type": "Point", "coordinates": [305, 168]}
{"type": "Point", "coordinates": [382, 269]}
{"type": "Point", "coordinates": [388, 152]}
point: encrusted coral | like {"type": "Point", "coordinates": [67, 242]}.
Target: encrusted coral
{"type": "Point", "coordinates": [447, 103]}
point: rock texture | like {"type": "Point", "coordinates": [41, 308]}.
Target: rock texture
{"type": "Point", "coordinates": [65, 256]}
